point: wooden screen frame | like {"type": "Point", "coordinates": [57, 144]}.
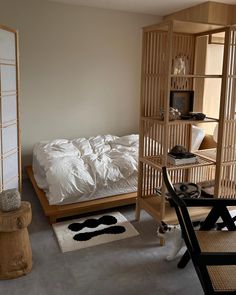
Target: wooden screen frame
{"type": "Point", "coordinates": [18, 151]}
{"type": "Point", "coordinates": [54, 212]}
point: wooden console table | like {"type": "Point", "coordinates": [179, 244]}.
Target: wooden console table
{"type": "Point", "coordinates": [15, 248]}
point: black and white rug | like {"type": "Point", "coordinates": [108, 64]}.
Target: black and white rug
{"type": "Point", "coordinates": [94, 230]}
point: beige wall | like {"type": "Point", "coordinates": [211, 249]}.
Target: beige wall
{"type": "Point", "coordinates": [80, 69]}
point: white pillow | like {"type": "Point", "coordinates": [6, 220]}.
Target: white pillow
{"type": "Point", "coordinates": [197, 137]}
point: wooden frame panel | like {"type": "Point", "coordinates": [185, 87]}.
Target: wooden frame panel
{"type": "Point", "coordinates": [11, 89]}
{"type": "Point", "coordinates": [54, 212]}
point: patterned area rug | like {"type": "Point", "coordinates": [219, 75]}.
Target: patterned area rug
{"type": "Point", "coordinates": [91, 231]}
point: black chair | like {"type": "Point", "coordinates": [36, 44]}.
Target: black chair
{"type": "Point", "coordinates": [213, 253]}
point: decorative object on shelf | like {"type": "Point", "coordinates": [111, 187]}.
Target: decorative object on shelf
{"type": "Point", "coordinates": [197, 116]}
{"type": "Point", "coordinates": [10, 200]}
{"type": "Point", "coordinates": [207, 188]}
{"type": "Point", "coordinates": [182, 100]}
{"type": "Point", "coordinates": [178, 155]}
{"type": "Point", "coordinates": [181, 65]}
{"type": "Point", "coordinates": [174, 114]}
{"type": "Point", "coordinates": [178, 150]}
{"type": "Point", "coordinates": [193, 116]}
{"type": "Point", "coordinates": [187, 190]}
{"type": "Point", "coordinates": [186, 117]}
{"type": "Point", "coordinates": [184, 190]}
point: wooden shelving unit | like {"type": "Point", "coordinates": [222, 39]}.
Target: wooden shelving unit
{"type": "Point", "coordinates": [162, 45]}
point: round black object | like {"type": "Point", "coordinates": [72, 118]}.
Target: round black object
{"type": "Point", "coordinates": [187, 190]}
{"type": "Point", "coordinates": [186, 117]}
{"type": "Point", "coordinates": [199, 116]}
{"type": "Point", "coordinates": [178, 149]}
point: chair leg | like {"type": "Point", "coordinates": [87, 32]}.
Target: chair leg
{"type": "Point", "coordinates": [184, 260]}
{"type": "Point", "coordinates": [211, 219]}
{"type": "Point", "coordinates": [227, 219]}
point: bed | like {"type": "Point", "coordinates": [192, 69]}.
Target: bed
{"type": "Point", "coordinates": [84, 175]}
{"type": "Point", "coordinates": [108, 163]}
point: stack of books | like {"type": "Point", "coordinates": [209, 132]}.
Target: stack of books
{"type": "Point", "coordinates": [182, 158]}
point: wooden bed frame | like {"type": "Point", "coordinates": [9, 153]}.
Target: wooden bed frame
{"type": "Point", "coordinates": [53, 212]}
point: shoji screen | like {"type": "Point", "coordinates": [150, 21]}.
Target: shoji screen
{"type": "Point", "coordinates": [10, 144]}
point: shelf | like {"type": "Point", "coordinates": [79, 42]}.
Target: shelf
{"type": "Point", "coordinates": [208, 154]}
{"type": "Point", "coordinates": [196, 76]}
{"type": "Point", "coordinates": [156, 162]}
{"type": "Point", "coordinates": [156, 75]}
{"type": "Point", "coordinates": [176, 122]}
{"type": "Point", "coordinates": [152, 205]}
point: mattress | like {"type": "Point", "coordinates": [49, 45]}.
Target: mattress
{"type": "Point", "coordinates": [77, 170]}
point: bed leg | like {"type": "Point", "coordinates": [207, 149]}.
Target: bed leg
{"type": "Point", "coordinates": [52, 219]}
{"type": "Point", "coordinates": [137, 211]}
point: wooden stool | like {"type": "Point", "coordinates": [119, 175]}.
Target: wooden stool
{"type": "Point", "coordinates": [15, 249]}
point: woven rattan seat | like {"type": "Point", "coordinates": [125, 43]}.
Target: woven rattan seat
{"type": "Point", "coordinates": [213, 252]}
{"type": "Point", "coordinates": [217, 241]}
{"type": "Point", "coordinates": [222, 277]}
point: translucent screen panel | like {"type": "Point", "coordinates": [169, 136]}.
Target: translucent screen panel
{"type": "Point", "coordinates": [7, 47]}
{"type": "Point", "coordinates": [14, 183]}
{"type": "Point", "coordinates": [9, 138]}
{"type": "Point", "coordinates": [8, 78]}
{"type": "Point", "coordinates": [10, 167]}
{"type": "Point", "coordinates": [9, 108]}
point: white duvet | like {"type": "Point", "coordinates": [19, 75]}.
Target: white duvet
{"type": "Point", "coordinates": [81, 167]}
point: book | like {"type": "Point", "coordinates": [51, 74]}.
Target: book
{"type": "Point", "coordinates": [183, 155]}
{"type": "Point", "coordinates": [181, 161]}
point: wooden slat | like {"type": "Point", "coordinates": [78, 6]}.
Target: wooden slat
{"type": "Point", "coordinates": [223, 102]}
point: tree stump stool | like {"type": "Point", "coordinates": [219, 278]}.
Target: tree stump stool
{"type": "Point", "coordinates": [15, 249]}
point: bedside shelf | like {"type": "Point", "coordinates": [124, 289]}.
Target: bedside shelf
{"type": "Point", "coordinates": [176, 122]}
{"type": "Point", "coordinates": [156, 162]}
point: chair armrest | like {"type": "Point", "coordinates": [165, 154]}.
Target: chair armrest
{"type": "Point", "coordinates": [218, 258]}
{"type": "Point", "coordinates": [208, 202]}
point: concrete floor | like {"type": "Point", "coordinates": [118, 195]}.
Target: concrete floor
{"type": "Point", "coordinates": [131, 266]}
